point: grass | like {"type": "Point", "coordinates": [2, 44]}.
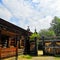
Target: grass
{"type": "Point", "coordinates": [57, 58]}
{"type": "Point", "coordinates": [26, 56]}
{"type": "Point", "coordinates": [21, 57]}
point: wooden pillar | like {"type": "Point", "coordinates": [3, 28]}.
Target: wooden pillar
{"type": "Point", "coordinates": [0, 45]}
{"type": "Point", "coordinates": [19, 43]}
{"type": "Point", "coordinates": [0, 54]}
{"type": "Point", "coordinates": [0, 38]}
{"type": "Point", "coordinates": [16, 48]}
{"type": "Point", "coordinates": [8, 42]}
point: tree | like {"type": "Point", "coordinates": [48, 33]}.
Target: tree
{"type": "Point", "coordinates": [55, 25]}
{"type": "Point", "coordinates": [46, 33]}
{"type": "Point", "coordinates": [34, 35]}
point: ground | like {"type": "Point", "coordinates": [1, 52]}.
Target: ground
{"type": "Point", "coordinates": [36, 58]}
{"type": "Point", "coordinates": [27, 57]}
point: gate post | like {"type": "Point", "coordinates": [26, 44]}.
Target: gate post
{"type": "Point", "coordinates": [36, 48]}
{"type": "Point", "coordinates": [54, 52]}
{"type": "Point", "coordinates": [27, 45]}
{"type": "Point", "coordinates": [27, 42]}
{"type": "Point", "coordinates": [43, 45]}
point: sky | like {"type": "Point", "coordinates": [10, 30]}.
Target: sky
{"type": "Point", "coordinates": [33, 13]}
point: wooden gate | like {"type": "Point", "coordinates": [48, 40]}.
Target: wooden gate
{"type": "Point", "coordinates": [51, 46]}
{"type": "Point", "coordinates": [33, 47]}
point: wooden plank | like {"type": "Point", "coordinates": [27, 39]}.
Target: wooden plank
{"type": "Point", "coordinates": [7, 52]}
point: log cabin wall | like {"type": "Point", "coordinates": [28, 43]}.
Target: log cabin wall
{"type": "Point", "coordinates": [9, 34]}
{"type": "Point", "coordinates": [11, 30]}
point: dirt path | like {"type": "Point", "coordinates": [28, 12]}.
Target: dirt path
{"type": "Point", "coordinates": [43, 58]}
{"type": "Point", "coordinates": [34, 58]}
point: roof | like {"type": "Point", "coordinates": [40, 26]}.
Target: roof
{"type": "Point", "coordinates": [12, 27]}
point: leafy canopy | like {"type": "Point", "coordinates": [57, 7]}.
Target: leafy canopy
{"type": "Point", "coordinates": [55, 25]}
{"type": "Point", "coordinates": [46, 33]}
{"type": "Point", "coordinates": [34, 35]}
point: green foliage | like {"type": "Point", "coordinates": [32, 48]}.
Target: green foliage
{"type": "Point", "coordinates": [55, 25]}
{"type": "Point", "coordinates": [26, 56]}
{"type": "Point", "coordinates": [34, 35]}
{"type": "Point", "coordinates": [46, 33]}
{"type": "Point", "coordinates": [54, 30]}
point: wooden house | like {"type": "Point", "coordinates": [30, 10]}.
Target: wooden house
{"type": "Point", "coordinates": [11, 37]}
